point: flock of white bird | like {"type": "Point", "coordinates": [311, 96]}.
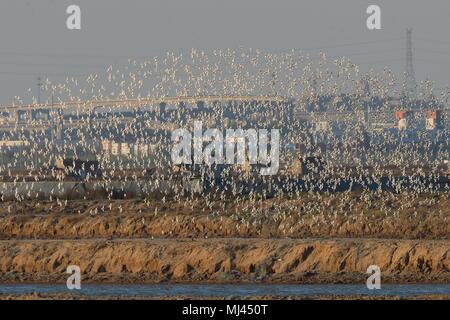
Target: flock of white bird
{"type": "Point", "coordinates": [351, 150]}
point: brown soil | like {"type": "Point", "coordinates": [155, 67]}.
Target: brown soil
{"type": "Point", "coordinates": [233, 260]}
{"type": "Point", "coordinates": [343, 215]}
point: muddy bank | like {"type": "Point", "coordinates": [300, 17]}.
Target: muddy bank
{"type": "Point", "coordinates": [343, 215]}
{"type": "Point", "coordinates": [231, 260]}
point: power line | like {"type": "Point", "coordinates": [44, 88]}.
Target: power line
{"type": "Point", "coordinates": [34, 74]}
{"type": "Point", "coordinates": [380, 61]}
{"type": "Point", "coordinates": [433, 51]}
{"type": "Point", "coordinates": [83, 55]}
{"type": "Point", "coordinates": [52, 65]}
{"type": "Point", "coordinates": [432, 40]}
{"type": "Point", "coordinates": [64, 55]}
{"type": "Point", "coordinates": [349, 44]}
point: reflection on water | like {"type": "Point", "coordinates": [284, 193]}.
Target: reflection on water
{"type": "Point", "coordinates": [227, 290]}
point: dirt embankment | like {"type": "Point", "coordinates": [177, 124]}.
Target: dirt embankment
{"type": "Point", "coordinates": [215, 260]}
{"type": "Point", "coordinates": [220, 240]}
{"type": "Point", "coordinates": [343, 215]}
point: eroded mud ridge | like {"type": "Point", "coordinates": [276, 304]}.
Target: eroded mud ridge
{"type": "Point", "coordinates": [352, 215]}
{"type": "Point", "coordinates": [216, 260]}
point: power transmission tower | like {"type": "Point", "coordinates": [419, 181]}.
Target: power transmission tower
{"type": "Point", "coordinates": [410, 78]}
{"type": "Point", "coordinates": [39, 85]}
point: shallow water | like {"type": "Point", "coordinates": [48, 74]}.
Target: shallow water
{"type": "Point", "coordinates": [227, 290]}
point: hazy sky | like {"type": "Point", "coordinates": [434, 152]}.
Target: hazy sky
{"type": "Point", "coordinates": [35, 40]}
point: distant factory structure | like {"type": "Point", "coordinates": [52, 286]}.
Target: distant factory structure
{"type": "Point", "coordinates": [433, 119]}
{"type": "Point", "coordinates": [8, 144]}
{"type": "Point", "coordinates": [78, 168]}
{"type": "Point", "coordinates": [402, 118]}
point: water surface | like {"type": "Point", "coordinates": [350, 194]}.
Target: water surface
{"type": "Point", "coordinates": [227, 290]}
